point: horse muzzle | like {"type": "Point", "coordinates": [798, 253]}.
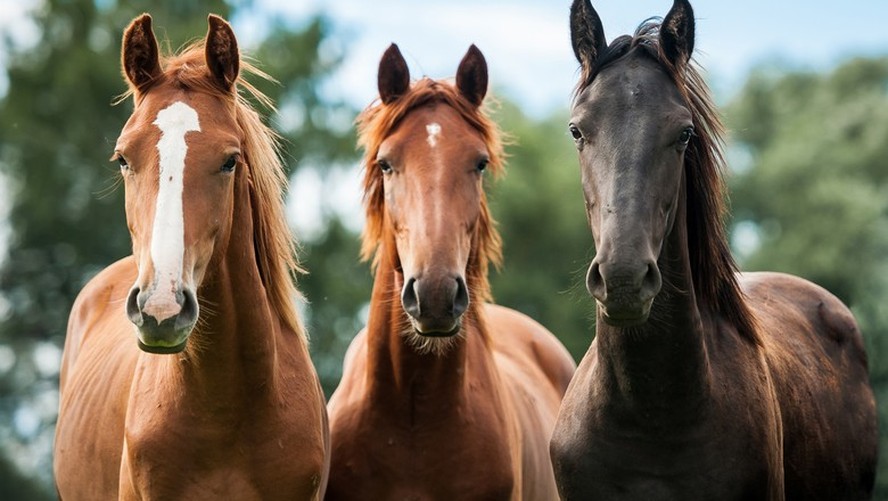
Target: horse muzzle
{"type": "Point", "coordinates": [435, 307]}
{"type": "Point", "coordinates": [624, 293]}
{"type": "Point", "coordinates": [163, 324]}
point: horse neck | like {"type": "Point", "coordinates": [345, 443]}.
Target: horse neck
{"type": "Point", "coordinates": [401, 376]}
{"type": "Point", "coordinates": [662, 364]}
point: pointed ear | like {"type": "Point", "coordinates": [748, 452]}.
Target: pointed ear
{"type": "Point", "coordinates": [223, 58]}
{"type": "Point", "coordinates": [471, 76]}
{"type": "Point", "coordinates": [677, 33]}
{"type": "Point", "coordinates": [139, 56]}
{"type": "Point", "coordinates": [586, 34]}
{"type": "Point", "coordinates": [393, 78]}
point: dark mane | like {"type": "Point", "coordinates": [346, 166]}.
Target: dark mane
{"type": "Point", "coordinates": [379, 121]}
{"type": "Point", "coordinates": [275, 247]}
{"type": "Point", "coordinates": [713, 266]}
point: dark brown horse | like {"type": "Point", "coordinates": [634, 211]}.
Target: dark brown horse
{"type": "Point", "coordinates": [444, 395]}
{"type": "Point", "coordinates": [186, 372]}
{"type": "Point", "coordinates": [700, 383]}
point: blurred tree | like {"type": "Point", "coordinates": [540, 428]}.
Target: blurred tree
{"type": "Point", "coordinates": [66, 212]}
{"type": "Point", "coordinates": [547, 245]}
{"type": "Point", "coordinates": [810, 195]}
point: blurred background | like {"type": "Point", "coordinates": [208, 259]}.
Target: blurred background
{"type": "Point", "coordinates": [804, 92]}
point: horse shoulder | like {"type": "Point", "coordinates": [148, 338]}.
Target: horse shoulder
{"type": "Point", "coordinates": [97, 369]}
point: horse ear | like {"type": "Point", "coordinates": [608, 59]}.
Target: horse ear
{"type": "Point", "coordinates": [139, 56]}
{"type": "Point", "coordinates": [223, 58]}
{"type": "Point", "coordinates": [471, 76]}
{"type": "Point", "coordinates": [393, 79]}
{"type": "Point", "coordinates": [677, 33]}
{"type": "Point", "coordinates": [586, 33]}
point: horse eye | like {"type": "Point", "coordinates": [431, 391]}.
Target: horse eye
{"type": "Point", "coordinates": [575, 132]}
{"type": "Point", "coordinates": [482, 164]}
{"type": "Point", "coordinates": [229, 164]}
{"type": "Point", "coordinates": [686, 136]}
{"type": "Point", "coordinates": [384, 166]}
{"type": "Point", "coordinates": [122, 161]}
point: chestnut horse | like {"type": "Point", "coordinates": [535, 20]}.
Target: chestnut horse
{"type": "Point", "coordinates": [215, 396]}
{"type": "Point", "coordinates": [444, 395]}
{"type": "Point", "coordinates": [701, 383]}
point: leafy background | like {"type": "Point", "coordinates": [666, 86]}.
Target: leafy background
{"type": "Point", "coordinates": [809, 195]}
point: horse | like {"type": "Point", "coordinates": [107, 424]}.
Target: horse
{"type": "Point", "coordinates": [444, 395]}
{"type": "Point", "coordinates": [701, 382]}
{"type": "Point", "coordinates": [216, 397]}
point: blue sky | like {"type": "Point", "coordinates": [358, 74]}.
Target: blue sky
{"type": "Point", "coordinates": [527, 43]}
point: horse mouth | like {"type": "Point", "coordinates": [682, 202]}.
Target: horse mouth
{"type": "Point", "coordinates": [622, 316]}
{"type": "Point", "coordinates": [436, 331]}
{"type": "Point", "coordinates": [160, 349]}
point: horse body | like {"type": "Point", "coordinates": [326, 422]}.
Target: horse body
{"type": "Point", "coordinates": [701, 383]}
{"type": "Point", "coordinates": [426, 410]}
{"type": "Point", "coordinates": [235, 409]}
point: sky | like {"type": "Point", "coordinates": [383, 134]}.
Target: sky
{"type": "Point", "coordinates": [527, 42]}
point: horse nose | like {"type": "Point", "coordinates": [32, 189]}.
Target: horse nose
{"type": "Point", "coordinates": [435, 306]}
{"type": "Point", "coordinates": [624, 289]}
{"type": "Point", "coordinates": [164, 328]}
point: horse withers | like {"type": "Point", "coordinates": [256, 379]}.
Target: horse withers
{"type": "Point", "coordinates": [186, 372]}
{"type": "Point", "coordinates": [701, 383]}
{"type": "Point", "coordinates": [444, 395]}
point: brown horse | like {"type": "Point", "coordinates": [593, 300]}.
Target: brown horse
{"type": "Point", "coordinates": [700, 383]}
{"type": "Point", "coordinates": [221, 401]}
{"type": "Point", "coordinates": [444, 395]}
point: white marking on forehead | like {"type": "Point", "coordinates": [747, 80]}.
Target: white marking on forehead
{"type": "Point", "coordinates": [168, 233]}
{"type": "Point", "coordinates": [434, 130]}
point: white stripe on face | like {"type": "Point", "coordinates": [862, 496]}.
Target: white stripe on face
{"type": "Point", "coordinates": [168, 233]}
{"type": "Point", "coordinates": [433, 129]}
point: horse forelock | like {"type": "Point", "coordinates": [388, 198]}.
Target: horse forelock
{"type": "Point", "coordinates": [379, 121]}
{"type": "Point", "coordinates": [275, 247]}
{"type": "Point", "coordinates": [713, 266]}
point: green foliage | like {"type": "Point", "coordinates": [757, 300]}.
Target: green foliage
{"type": "Point", "coordinates": [547, 244]}
{"type": "Point", "coordinates": [816, 191]}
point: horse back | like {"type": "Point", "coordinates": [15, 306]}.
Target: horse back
{"type": "Point", "coordinates": [818, 365]}
{"type": "Point", "coordinates": [535, 369]}
{"type": "Point", "coordinates": [97, 370]}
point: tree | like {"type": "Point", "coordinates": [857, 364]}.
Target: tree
{"type": "Point", "coordinates": [812, 197]}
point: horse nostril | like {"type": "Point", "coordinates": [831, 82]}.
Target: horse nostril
{"type": "Point", "coordinates": [133, 309]}
{"type": "Point", "coordinates": [595, 282]}
{"type": "Point", "coordinates": [190, 309]}
{"type": "Point", "coordinates": [651, 283]}
{"type": "Point", "coordinates": [409, 299]}
{"type": "Point", "coordinates": [461, 299]}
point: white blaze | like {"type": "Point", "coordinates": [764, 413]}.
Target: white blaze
{"type": "Point", "coordinates": [168, 233]}
{"type": "Point", "coordinates": [434, 130]}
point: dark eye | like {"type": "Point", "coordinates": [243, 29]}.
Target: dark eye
{"type": "Point", "coordinates": [575, 132]}
{"type": "Point", "coordinates": [229, 164]}
{"type": "Point", "coordinates": [685, 137]}
{"type": "Point", "coordinates": [482, 164]}
{"type": "Point", "coordinates": [122, 162]}
{"type": "Point", "coordinates": [384, 166]}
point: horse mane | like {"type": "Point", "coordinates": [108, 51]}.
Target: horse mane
{"type": "Point", "coordinates": [379, 121]}
{"type": "Point", "coordinates": [275, 247]}
{"type": "Point", "coordinates": [713, 266]}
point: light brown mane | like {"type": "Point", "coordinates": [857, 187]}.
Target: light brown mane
{"type": "Point", "coordinates": [713, 265]}
{"type": "Point", "coordinates": [379, 121]}
{"type": "Point", "coordinates": [274, 245]}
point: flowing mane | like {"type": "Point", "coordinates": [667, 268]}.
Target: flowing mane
{"type": "Point", "coordinates": [377, 122]}
{"type": "Point", "coordinates": [715, 271]}
{"type": "Point", "coordinates": [274, 244]}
